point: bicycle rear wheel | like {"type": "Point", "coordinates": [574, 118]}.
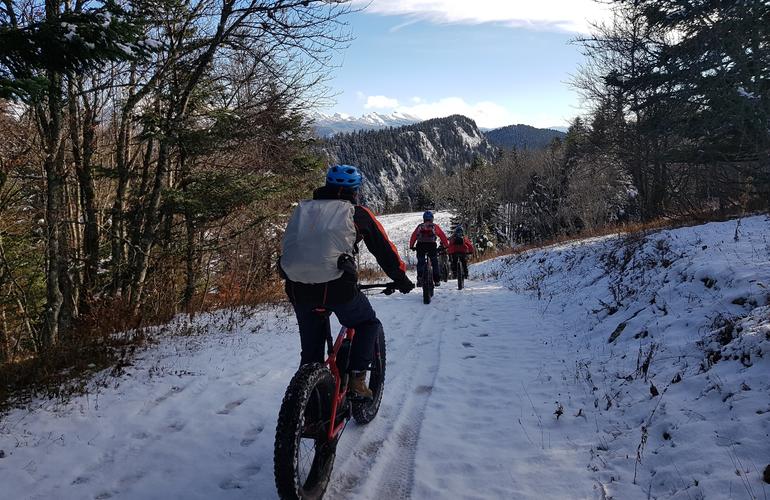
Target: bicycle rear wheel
{"type": "Point", "coordinates": [427, 284]}
{"type": "Point", "coordinates": [365, 411]}
{"type": "Point", "coordinates": [303, 455]}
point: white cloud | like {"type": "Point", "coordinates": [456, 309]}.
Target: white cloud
{"type": "Point", "coordinates": [484, 113]}
{"type": "Point", "coordinates": [553, 15]}
{"type": "Point", "coordinates": [380, 102]}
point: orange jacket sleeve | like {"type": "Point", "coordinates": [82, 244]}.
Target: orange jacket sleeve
{"type": "Point", "coordinates": [414, 236]}
{"type": "Point", "coordinates": [377, 241]}
{"type": "Point", "coordinates": [441, 235]}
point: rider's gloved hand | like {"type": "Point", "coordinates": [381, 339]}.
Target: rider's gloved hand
{"type": "Point", "coordinates": [405, 286]}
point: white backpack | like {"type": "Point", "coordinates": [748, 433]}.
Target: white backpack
{"type": "Point", "coordinates": [318, 233]}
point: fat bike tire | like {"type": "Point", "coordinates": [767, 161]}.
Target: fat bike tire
{"type": "Point", "coordinates": [303, 455]}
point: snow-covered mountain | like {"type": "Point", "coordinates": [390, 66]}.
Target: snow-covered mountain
{"type": "Point", "coordinates": [395, 161]}
{"type": "Point", "coordinates": [327, 125]}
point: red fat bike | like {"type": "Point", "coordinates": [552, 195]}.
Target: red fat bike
{"type": "Point", "coordinates": [316, 409]}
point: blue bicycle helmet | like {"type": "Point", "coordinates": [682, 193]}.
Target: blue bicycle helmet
{"type": "Point", "coordinates": [427, 216]}
{"type": "Point", "coordinates": [344, 175]}
{"type": "Point", "coordinates": [459, 230]}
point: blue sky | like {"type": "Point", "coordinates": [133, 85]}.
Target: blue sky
{"type": "Point", "coordinates": [501, 62]}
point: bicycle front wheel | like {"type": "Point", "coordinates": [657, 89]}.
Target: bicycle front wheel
{"type": "Point", "coordinates": [303, 455]}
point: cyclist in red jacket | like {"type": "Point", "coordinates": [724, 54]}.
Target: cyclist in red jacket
{"type": "Point", "coordinates": [424, 241]}
{"type": "Point", "coordinates": [459, 248]}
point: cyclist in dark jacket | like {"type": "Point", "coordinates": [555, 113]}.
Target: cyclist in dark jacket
{"type": "Point", "coordinates": [342, 295]}
{"type": "Point", "coordinates": [424, 241]}
{"type": "Point", "coordinates": [460, 247]}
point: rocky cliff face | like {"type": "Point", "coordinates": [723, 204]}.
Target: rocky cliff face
{"type": "Point", "coordinates": [396, 161]}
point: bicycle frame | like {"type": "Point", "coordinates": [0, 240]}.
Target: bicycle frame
{"type": "Point", "coordinates": [340, 389]}
{"type": "Point", "coordinates": [340, 393]}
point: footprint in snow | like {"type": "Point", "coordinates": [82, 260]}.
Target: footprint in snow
{"type": "Point", "coordinates": [467, 344]}
{"type": "Point", "coordinates": [246, 472]}
{"type": "Point", "coordinates": [176, 426]}
{"type": "Point", "coordinates": [251, 435]}
{"type": "Point", "coordinates": [131, 478]}
{"type": "Point", "coordinates": [231, 406]}
{"type": "Point", "coordinates": [483, 335]}
{"type": "Point", "coordinates": [469, 356]}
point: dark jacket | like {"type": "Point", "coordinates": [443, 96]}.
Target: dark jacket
{"type": "Point", "coordinates": [368, 229]}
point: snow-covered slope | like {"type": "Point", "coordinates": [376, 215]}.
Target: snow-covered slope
{"type": "Point", "coordinates": [396, 162]}
{"type": "Point", "coordinates": [399, 228]}
{"type": "Point", "coordinates": [507, 389]}
{"type": "Point", "coordinates": [668, 337]}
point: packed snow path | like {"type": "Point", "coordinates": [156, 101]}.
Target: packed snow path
{"type": "Point", "coordinates": [468, 412]}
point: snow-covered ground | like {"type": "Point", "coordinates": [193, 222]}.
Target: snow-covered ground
{"type": "Point", "coordinates": [475, 383]}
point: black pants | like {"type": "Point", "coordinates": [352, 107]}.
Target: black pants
{"type": "Point", "coordinates": [357, 313]}
{"type": "Point", "coordinates": [462, 259]}
{"type": "Point", "coordinates": [428, 249]}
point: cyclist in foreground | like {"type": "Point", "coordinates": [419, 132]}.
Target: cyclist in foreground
{"type": "Point", "coordinates": [424, 241]}
{"type": "Point", "coordinates": [317, 263]}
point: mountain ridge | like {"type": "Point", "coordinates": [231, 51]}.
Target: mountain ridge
{"type": "Point", "coordinates": [327, 125]}
{"type": "Point", "coordinates": [395, 161]}
{"type": "Point", "coordinates": [521, 136]}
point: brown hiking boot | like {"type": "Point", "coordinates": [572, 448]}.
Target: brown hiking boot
{"type": "Point", "coordinates": [357, 385]}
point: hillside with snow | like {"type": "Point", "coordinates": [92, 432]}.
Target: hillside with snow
{"type": "Point", "coordinates": [396, 161]}
{"type": "Point", "coordinates": [625, 367]}
{"type": "Point", "coordinates": [668, 335]}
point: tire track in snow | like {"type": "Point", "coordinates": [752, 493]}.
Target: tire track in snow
{"type": "Point", "coordinates": [380, 463]}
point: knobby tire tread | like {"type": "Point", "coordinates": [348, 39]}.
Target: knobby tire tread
{"type": "Point", "coordinates": [288, 434]}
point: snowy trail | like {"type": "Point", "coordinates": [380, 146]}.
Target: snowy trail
{"type": "Point", "coordinates": [196, 418]}
{"type": "Point", "coordinates": [468, 411]}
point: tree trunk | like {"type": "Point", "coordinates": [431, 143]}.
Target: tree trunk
{"type": "Point", "coordinates": [149, 229]}
{"type": "Point", "coordinates": [54, 189]}
{"type": "Point", "coordinates": [191, 263]}
{"type": "Point", "coordinates": [83, 137]}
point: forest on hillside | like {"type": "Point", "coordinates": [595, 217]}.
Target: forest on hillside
{"type": "Point", "coordinates": [522, 137]}
{"type": "Point", "coordinates": [396, 160]}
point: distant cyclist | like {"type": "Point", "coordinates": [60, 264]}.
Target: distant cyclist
{"type": "Point", "coordinates": [460, 247]}
{"type": "Point", "coordinates": [320, 272]}
{"type": "Point", "coordinates": [424, 241]}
